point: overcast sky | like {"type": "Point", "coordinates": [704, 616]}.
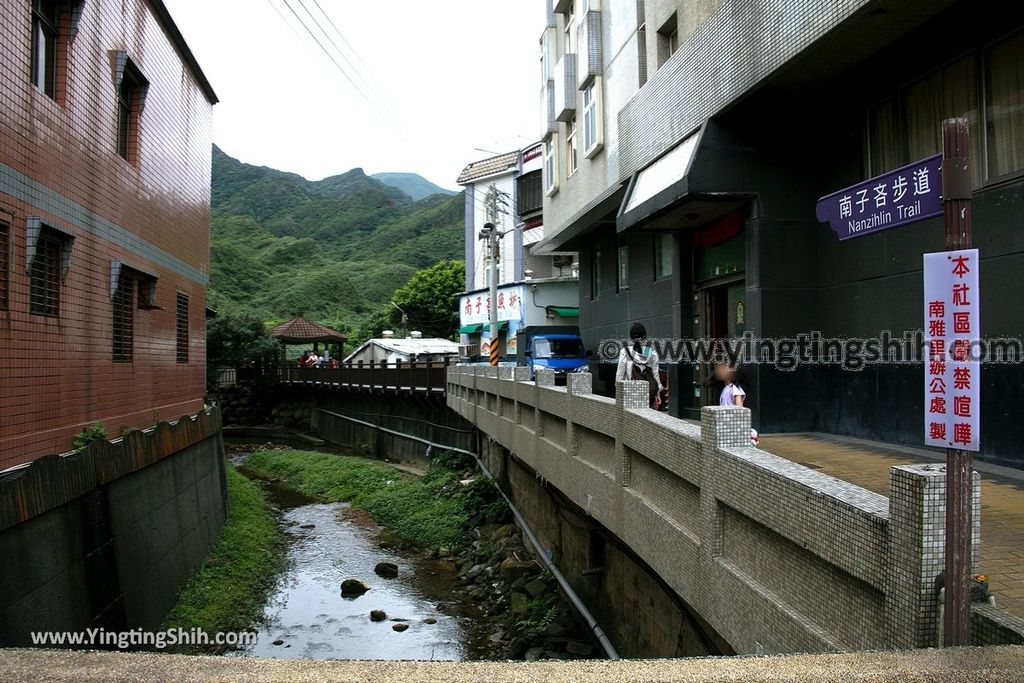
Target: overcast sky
{"type": "Point", "coordinates": [445, 76]}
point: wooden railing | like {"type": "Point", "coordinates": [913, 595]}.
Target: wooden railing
{"type": "Point", "coordinates": [410, 377]}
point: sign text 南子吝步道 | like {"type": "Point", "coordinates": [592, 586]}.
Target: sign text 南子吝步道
{"type": "Point", "coordinates": [908, 194]}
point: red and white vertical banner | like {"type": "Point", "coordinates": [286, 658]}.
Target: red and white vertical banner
{"type": "Point", "coordinates": [952, 368]}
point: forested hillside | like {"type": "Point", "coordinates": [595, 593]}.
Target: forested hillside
{"type": "Point", "coordinates": [334, 249]}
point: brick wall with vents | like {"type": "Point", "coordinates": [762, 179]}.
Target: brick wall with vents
{"type": "Point", "coordinates": [67, 358]}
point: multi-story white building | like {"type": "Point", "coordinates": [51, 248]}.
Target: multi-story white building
{"type": "Point", "coordinates": [532, 290]}
{"type": "Point", "coordinates": [686, 143]}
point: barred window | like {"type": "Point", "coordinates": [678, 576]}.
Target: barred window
{"type": "Point", "coordinates": [5, 263]}
{"type": "Point", "coordinates": [45, 275]}
{"type": "Point", "coordinates": [124, 318]}
{"type": "Point", "coordinates": [181, 328]}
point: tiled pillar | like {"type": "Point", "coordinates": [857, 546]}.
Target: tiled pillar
{"type": "Point", "coordinates": [577, 384]}
{"type": "Point", "coordinates": [917, 536]}
{"type": "Point", "coordinates": [545, 378]}
{"type": "Point", "coordinates": [629, 395]}
{"type": "Point", "coordinates": [520, 373]}
{"type": "Point", "coordinates": [720, 427]}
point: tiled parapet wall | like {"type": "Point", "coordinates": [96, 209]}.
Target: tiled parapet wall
{"type": "Point", "coordinates": [918, 516]}
{"type": "Point", "coordinates": [776, 557]}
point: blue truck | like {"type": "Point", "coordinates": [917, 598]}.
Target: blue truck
{"type": "Point", "coordinates": [560, 350]}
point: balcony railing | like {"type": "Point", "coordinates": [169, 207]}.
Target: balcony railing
{"type": "Point", "coordinates": [407, 377]}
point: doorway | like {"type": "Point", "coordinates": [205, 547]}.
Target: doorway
{"type": "Point", "coordinates": [721, 315]}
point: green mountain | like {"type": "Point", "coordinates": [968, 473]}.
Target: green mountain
{"type": "Point", "coordinates": [334, 249]}
{"type": "Point", "coordinates": [414, 185]}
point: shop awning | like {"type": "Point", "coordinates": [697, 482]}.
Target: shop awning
{"type": "Point", "coordinates": [480, 327]}
{"type": "Point", "coordinates": [706, 175]}
{"type": "Point", "coordinates": [565, 311]}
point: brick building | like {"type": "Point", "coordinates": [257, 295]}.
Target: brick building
{"type": "Point", "coordinates": [105, 134]}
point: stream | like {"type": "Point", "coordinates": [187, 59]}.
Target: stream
{"type": "Point", "coordinates": [307, 617]}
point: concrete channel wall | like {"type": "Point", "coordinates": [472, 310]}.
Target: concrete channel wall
{"type": "Point", "coordinates": [105, 538]}
{"type": "Point", "coordinates": [774, 556]}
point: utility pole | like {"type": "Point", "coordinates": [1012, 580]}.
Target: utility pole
{"type": "Point", "coordinates": [956, 198]}
{"type": "Point", "coordinates": [493, 236]}
{"type": "Point", "coordinates": [493, 242]}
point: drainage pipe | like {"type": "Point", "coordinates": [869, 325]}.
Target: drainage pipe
{"type": "Point", "coordinates": [577, 603]}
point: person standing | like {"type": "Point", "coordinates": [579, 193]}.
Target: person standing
{"type": "Point", "coordinates": [733, 393]}
{"type": "Point", "coordinates": [638, 361]}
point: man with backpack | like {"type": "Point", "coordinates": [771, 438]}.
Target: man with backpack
{"type": "Point", "coordinates": [640, 362]}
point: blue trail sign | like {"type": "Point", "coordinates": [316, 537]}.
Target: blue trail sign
{"type": "Point", "coordinates": [908, 194]}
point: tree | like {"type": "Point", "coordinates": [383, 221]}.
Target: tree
{"type": "Point", "coordinates": [234, 340]}
{"type": "Point", "coordinates": [430, 299]}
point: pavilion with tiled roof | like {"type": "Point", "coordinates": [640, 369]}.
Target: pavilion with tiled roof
{"type": "Point", "coordinates": [299, 330]}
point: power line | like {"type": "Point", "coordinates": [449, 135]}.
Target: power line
{"type": "Point", "coordinates": [329, 55]}
{"type": "Point", "coordinates": [340, 52]}
{"type": "Point", "coordinates": [338, 66]}
{"type": "Point", "coordinates": [355, 53]}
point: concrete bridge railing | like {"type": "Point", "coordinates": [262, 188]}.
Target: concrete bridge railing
{"type": "Point", "coordinates": [776, 557]}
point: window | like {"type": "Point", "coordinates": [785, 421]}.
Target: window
{"type": "Point", "coordinates": [44, 46]}
{"type": "Point", "coordinates": [571, 148]}
{"type": "Point", "coordinates": [5, 263]}
{"type": "Point", "coordinates": [181, 328]}
{"type": "Point", "coordinates": [950, 91]}
{"type": "Point", "coordinates": [45, 274]}
{"type": "Point", "coordinates": [641, 43]}
{"type": "Point", "coordinates": [123, 305]}
{"type": "Point", "coordinates": [557, 348]}
{"type": "Point", "coordinates": [622, 282]}
{"type": "Point", "coordinates": [129, 104]}
{"type": "Point", "coordinates": [548, 46]}
{"type": "Point", "coordinates": [1005, 106]}
{"type": "Point", "coordinates": [908, 125]}
{"type": "Point", "coordinates": [570, 27]}
{"type": "Point", "coordinates": [591, 120]}
{"type": "Point", "coordinates": [595, 273]}
{"type": "Point", "coordinates": [668, 40]}
{"type": "Point", "coordinates": [550, 165]}
{"type": "Point", "coordinates": [663, 249]}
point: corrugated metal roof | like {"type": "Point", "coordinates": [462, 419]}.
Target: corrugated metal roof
{"type": "Point", "coordinates": [410, 345]}
{"type": "Point", "coordinates": [487, 167]}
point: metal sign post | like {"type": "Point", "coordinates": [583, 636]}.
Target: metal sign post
{"type": "Point", "coordinates": [956, 199]}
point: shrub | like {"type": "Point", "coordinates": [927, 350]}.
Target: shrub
{"type": "Point", "coordinates": [97, 431]}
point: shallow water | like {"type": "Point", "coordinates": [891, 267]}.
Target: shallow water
{"type": "Point", "coordinates": [308, 617]}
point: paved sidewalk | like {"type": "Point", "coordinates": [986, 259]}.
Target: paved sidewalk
{"type": "Point", "coordinates": [867, 464]}
{"type": "Point", "coordinates": [953, 665]}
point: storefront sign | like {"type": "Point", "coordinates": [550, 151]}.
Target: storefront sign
{"type": "Point", "coordinates": [908, 194]}
{"type": "Point", "coordinates": [476, 308]}
{"type": "Point", "coordinates": [952, 371]}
